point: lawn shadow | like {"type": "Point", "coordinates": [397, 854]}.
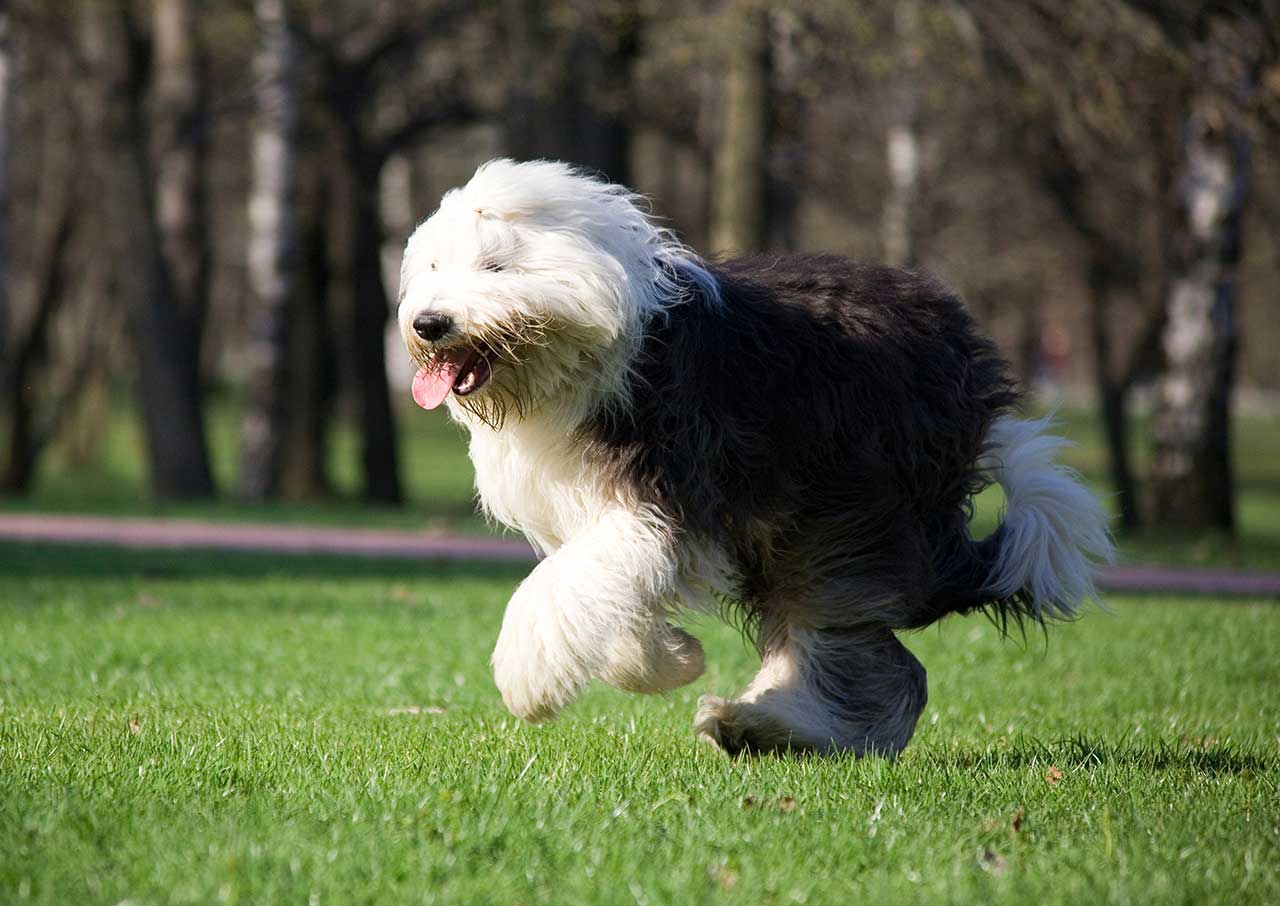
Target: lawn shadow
{"type": "Point", "coordinates": [1204, 755]}
{"type": "Point", "coordinates": [30, 561]}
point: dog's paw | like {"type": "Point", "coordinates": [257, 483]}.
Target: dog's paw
{"type": "Point", "coordinates": [713, 724]}
{"type": "Point", "coordinates": [531, 703]}
{"type": "Point", "coordinates": [746, 728]}
{"type": "Point", "coordinates": [534, 688]}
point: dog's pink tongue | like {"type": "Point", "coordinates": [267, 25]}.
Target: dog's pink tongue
{"type": "Point", "coordinates": [432, 385]}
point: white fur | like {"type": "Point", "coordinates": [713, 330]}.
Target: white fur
{"type": "Point", "coordinates": [583, 256]}
{"type": "Point", "coordinates": [1055, 529]}
{"type": "Point", "coordinates": [574, 250]}
{"type": "Point", "coordinates": [594, 609]}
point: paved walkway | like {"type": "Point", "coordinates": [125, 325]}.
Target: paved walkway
{"type": "Point", "coordinates": [174, 534]}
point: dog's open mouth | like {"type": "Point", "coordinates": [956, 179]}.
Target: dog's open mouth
{"type": "Point", "coordinates": [461, 371]}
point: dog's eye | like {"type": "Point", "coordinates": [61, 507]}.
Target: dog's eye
{"type": "Point", "coordinates": [435, 265]}
{"type": "Point", "coordinates": [492, 265]}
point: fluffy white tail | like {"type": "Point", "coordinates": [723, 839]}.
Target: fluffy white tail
{"type": "Point", "coordinates": [1054, 533]}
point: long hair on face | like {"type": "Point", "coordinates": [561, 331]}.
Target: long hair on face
{"type": "Point", "coordinates": [552, 275]}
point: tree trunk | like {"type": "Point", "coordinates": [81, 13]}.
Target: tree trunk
{"type": "Point", "coordinates": [1113, 397]}
{"type": "Point", "coordinates": [739, 177]}
{"type": "Point", "coordinates": [1028, 349]}
{"type": "Point", "coordinates": [1191, 473]}
{"type": "Point", "coordinates": [573, 111]}
{"type": "Point", "coordinates": [313, 379]}
{"type": "Point", "coordinates": [179, 151]}
{"type": "Point", "coordinates": [6, 161]}
{"type": "Point", "coordinates": [26, 439]}
{"type": "Point", "coordinates": [380, 456]}
{"type": "Point", "coordinates": [272, 255]}
{"type": "Point", "coordinates": [902, 140]}
{"type": "Point", "coordinates": [1110, 269]}
{"type": "Point", "coordinates": [164, 337]}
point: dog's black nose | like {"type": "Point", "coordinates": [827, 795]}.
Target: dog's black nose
{"type": "Point", "coordinates": [432, 325]}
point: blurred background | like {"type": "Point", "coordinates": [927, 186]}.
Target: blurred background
{"type": "Point", "coordinates": [204, 203]}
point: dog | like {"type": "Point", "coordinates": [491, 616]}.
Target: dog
{"type": "Point", "coordinates": [790, 440]}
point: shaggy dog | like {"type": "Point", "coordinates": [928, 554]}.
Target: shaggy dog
{"type": "Point", "coordinates": [793, 439]}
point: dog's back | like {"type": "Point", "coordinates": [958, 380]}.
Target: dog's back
{"type": "Point", "coordinates": [827, 418]}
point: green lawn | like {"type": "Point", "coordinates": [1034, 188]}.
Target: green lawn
{"type": "Point", "coordinates": [247, 729]}
{"type": "Point", "coordinates": [110, 479]}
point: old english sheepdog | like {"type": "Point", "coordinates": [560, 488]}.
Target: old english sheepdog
{"type": "Point", "coordinates": [793, 440]}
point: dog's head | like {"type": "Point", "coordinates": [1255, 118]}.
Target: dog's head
{"type": "Point", "coordinates": [529, 288]}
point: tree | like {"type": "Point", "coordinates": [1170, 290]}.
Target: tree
{"type": "Point", "coordinates": [179, 126]}
{"type": "Point", "coordinates": [273, 253]}
{"type": "Point", "coordinates": [902, 142]}
{"type": "Point", "coordinates": [313, 381]}
{"type": "Point", "coordinates": [165, 329]}
{"type": "Point", "coordinates": [6, 163]}
{"type": "Point", "coordinates": [357, 60]}
{"type": "Point", "coordinates": [569, 89]}
{"type": "Point", "coordinates": [1191, 472]}
{"type": "Point", "coordinates": [739, 159]}
{"type": "Point", "coordinates": [30, 424]}
{"type": "Point", "coordinates": [1089, 96]}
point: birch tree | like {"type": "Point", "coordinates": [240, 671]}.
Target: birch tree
{"type": "Point", "coordinates": [272, 252]}
{"type": "Point", "coordinates": [1192, 483]}
{"type": "Point", "coordinates": [902, 140]}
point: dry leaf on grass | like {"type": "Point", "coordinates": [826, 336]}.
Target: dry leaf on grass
{"type": "Point", "coordinates": [1053, 775]}
{"type": "Point", "coordinates": [135, 725]}
{"type": "Point", "coordinates": [1199, 743]}
{"type": "Point", "coordinates": [785, 804]}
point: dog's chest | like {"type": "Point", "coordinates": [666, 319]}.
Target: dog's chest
{"type": "Point", "coordinates": [537, 484]}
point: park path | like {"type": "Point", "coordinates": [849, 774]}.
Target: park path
{"type": "Point", "coordinates": [178, 534]}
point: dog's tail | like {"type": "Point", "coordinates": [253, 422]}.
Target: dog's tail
{"type": "Point", "coordinates": [1042, 559]}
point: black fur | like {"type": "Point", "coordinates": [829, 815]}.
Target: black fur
{"type": "Point", "coordinates": [824, 422]}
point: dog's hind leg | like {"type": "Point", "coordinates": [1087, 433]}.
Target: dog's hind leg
{"type": "Point", "coordinates": [857, 690]}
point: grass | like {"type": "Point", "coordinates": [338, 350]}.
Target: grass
{"type": "Point", "coordinates": [244, 729]}
{"type": "Point", "coordinates": [110, 479]}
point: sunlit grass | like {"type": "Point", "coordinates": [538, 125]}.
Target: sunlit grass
{"type": "Point", "coordinates": [215, 728]}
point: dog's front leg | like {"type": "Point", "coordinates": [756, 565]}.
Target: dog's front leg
{"type": "Point", "coordinates": [594, 608]}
